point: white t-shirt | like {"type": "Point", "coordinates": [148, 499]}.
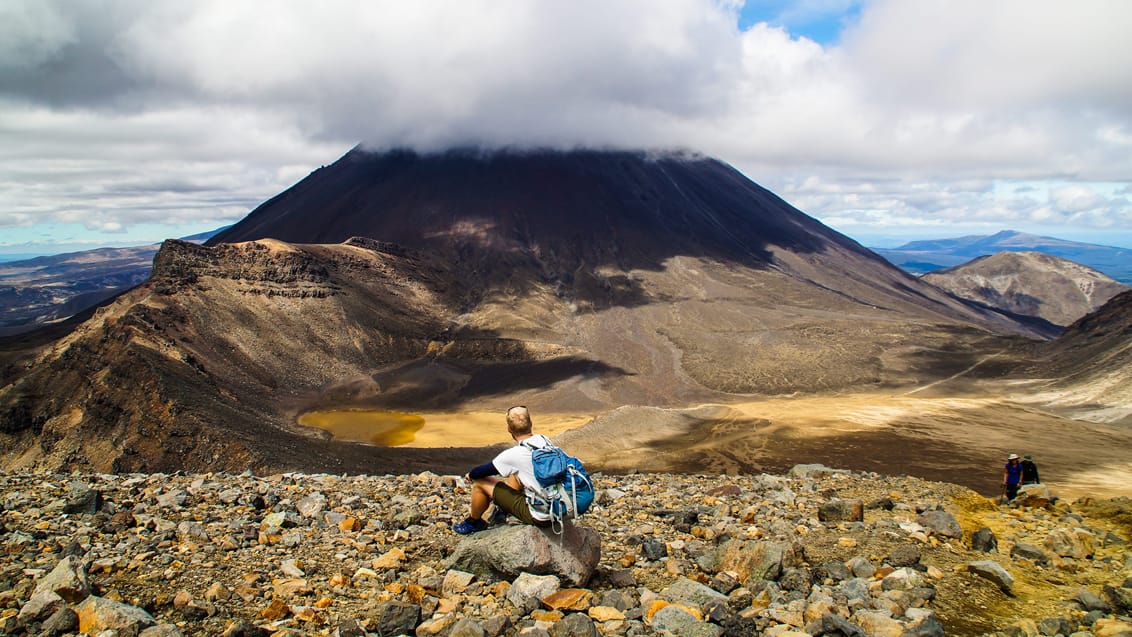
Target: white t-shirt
{"type": "Point", "coordinates": [517, 459]}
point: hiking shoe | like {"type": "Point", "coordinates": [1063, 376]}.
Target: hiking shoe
{"type": "Point", "coordinates": [469, 526]}
{"type": "Point", "coordinates": [499, 517]}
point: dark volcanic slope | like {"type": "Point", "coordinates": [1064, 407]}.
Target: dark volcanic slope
{"type": "Point", "coordinates": [596, 208]}
{"type": "Point", "coordinates": [571, 219]}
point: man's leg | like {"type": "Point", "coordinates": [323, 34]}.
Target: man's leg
{"type": "Point", "coordinates": [481, 495]}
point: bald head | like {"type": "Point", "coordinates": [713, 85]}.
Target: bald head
{"type": "Point", "coordinates": [519, 421]}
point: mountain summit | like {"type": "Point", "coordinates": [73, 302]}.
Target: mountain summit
{"type": "Point", "coordinates": [622, 209]}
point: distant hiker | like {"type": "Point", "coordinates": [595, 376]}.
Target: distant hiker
{"type": "Point", "coordinates": [1029, 470]}
{"type": "Point", "coordinates": [1012, 476]}
{"type": "Point", "coordinates": [507, 479]}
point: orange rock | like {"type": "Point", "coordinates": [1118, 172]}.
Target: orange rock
{"type": "Point", "coordinates": [350, 525]}
{"type": "Point", "coordinates": [660, 603]}
{"type": "Point", "coordinates": [277, 609]}
{"type": "Point", "coordinates": [605, 614]}
{"type": "Point", "coordinates": [307, 614]}
{"type": "Point", "coordinates": [392, 559]}
{"type": "Point", "coordinates": [656, 605]}
{"type": "Point", "coordinates": [182, 599]}
{"type": "Point", "coordinates": [415, 593]}
{"type": "Point", "coordinates": [325, 602]}
{"type": "Point", "coordinates": [575, 599]}
{"type": "Point", "coordinates": [540, 615]}
{"type": "Point", "coordinates": [290, 586]}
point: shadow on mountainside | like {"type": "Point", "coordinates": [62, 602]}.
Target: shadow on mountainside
{"type": "Point", "coordinates": [443, 383]}
{"type": "Point", "coordinates": [557, 214]}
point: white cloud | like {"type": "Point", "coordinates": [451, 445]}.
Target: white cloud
{"type": "Point", "coordinates": [136, 110]}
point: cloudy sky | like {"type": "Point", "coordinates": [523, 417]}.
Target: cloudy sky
{"type": "Point", "coordinates": [124, 122]}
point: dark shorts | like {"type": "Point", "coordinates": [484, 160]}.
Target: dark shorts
{"type": "Point", "coordinates": [515, 503]}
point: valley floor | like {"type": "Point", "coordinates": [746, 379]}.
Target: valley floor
{"type": "Point", "coordinates": [951, 438]}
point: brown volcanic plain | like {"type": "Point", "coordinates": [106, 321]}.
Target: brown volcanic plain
{"type": "Point", "coordinates": [701, 323]}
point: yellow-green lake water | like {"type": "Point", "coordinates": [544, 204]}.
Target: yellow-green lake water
{"type": "Point", "coordinates": [381, 428]}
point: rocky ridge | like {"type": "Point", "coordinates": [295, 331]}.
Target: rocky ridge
{"type": "Point", "coordinates": [1030, 284]}
{"type": "Point", "coordinates": [816, 551]}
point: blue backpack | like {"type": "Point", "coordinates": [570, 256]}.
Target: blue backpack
{"type": "Point", "coordinates": [569, 490]}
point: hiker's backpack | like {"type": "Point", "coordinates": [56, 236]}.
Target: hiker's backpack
{"type": "Point", "coordinates": [569, 490]}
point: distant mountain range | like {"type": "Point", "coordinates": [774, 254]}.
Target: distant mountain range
{"type": "Point", "coordinates": [43, 290]}
{"type": "Point", "coordinates": [920, 257]}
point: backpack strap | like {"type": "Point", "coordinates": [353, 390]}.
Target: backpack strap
{"type": "Point", "coordinates": [547, 444]}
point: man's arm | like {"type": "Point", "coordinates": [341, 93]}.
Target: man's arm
{"type": "Point", "coordinates": [483, 471]}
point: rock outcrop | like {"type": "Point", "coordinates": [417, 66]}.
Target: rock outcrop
{"type": "Point", "coordinates": [506, 552]}
{"type": "Point", "coordinates": [316, 554]}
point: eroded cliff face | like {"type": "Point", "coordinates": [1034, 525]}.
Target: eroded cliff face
{"type": "Point", "coordinates": [199, 367]}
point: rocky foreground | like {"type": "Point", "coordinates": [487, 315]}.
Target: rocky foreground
{"type": "Point", "coordinates": [815, 552]}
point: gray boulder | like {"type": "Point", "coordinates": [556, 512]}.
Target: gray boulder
{"type": "Point", "coordinates": [311, 505]}
{"type": "Point", "coordinates": [678, 621]}
{"type": "Point", "coordinates": [755, 562]}
{"type": "Point", "coordinates": [1091, 601]}
{"type": "Point", "coordinates": [1119, 598]}
{"type": "Point", "coordinates": [42, 605]}
{"type": "Point", "coordinates": [466, 627]}
{"type": "Point", "coordinates": [940, 523]}
{"type": "Point", "coordinates": [838, 510]}
{"type": "Point", "coordinates": [1055, 626]}
{"type": "Point", "coordinates": [527, 590]}
{"type": "Point", "coordinates": [984, 541]}
{"type": "Point", "coordinates": [574, 625]}
{"type": "Point", "coordinates": [506, 551]}
{"type": "Point", "coordinates": [1035, 496]}
{"type": "Point", "coordinates": [812, 471]}
{"type": "Point", "coordinates": [82, 498]}
{"type": "Point", "coordinates": [395, 618]}
{"type": "Point", "coordinates": [1029, 552]}
{"type": "Point", "coordinates": [1073, 543]}
{"type": "Point", "coordinates": [67, 580]}
{"type": "Point", "coordinates": [63, 621]}
{"type": "Point", "coordinates": [98, 614]}
{"type": "Point", "coordinates": [991, 570]}
{"type": "Point", "coordinates": [692, 593]}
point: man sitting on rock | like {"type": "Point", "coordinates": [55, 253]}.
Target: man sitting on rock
{"type": "Point", "coordinates": [507, 479]}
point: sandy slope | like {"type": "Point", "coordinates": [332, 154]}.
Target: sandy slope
{"type": "Point", "coordinates": [959, 439]}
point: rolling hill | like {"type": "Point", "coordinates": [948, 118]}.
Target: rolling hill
{"type": "Point", "coordinates": [919, 257]}
{"type": "Point", "coordinates": [1030, 284]}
